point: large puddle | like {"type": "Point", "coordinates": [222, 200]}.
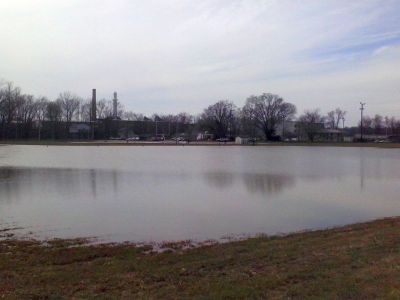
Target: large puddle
{"type": "Point", "coordinates": [142, 194]}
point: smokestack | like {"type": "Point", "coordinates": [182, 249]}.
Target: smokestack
{"type": "Point", "coordinates": [94, 105]}
{"type": "Point", "coordinates": [115, 106]}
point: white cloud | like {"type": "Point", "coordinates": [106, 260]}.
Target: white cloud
{"type": "Point", "coordinates": [183, 55]}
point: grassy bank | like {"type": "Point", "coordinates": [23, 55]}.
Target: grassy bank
{"type": "Point", "coordinates": [359, 261]}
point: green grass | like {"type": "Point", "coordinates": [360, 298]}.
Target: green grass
{"type": "Point", "coordinates": [359, 261]}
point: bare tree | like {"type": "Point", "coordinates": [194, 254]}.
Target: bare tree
{"type": "Point", "coordinates": [69, 105]}
{"type": "Point", "coordinates": [11, 95]}
{"type": "Point", "coordinates": [219, 118]}
{"type": "Point", "coordinates": [102, 108]}
{"type": "Point", "coordinates": [9, 103]}
{"type": "Point", "coordinates": [54, 115]}
{"type": "Point", "coordinates": [84, 111]}
{"type": "Point", "coordinates": [311, 123]}
{"type": "Point", "coordinates": [41, 110]}
{"type": "Point", "coordinates": [2, 109]}
{"type": "Point", "coordinates": [266, 111]}
{"type": "Point", "coordinates": [109, 109]}
{"type": "Point", "coordinates": [390, 124]}
{"type": "Point", "coordinates": [26, 113]}
{"type": "Point", "coordinates": [334, 117]}
{"type": "Point", "coordinates": [131, 116]}
{"type": "Point", "coordinates": [185, 118]}
{"type": "Point", "coordinates": [377, 124]}
{"type": "Point", "coordinates": [367, 124]}
{"type": "Point", "coordinates": [54, 111]}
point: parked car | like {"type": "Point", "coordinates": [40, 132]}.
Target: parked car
{"type": "Point", "coordinates": [223, 140]}
{"type": "Point", "coordinates": [252, 140]}
{"type": "Point", "coordinates": [133, 138]}
{"type": "Point", "coordinates": [158, 138]}
{"type": "Point", "coordinates": [381, 141]}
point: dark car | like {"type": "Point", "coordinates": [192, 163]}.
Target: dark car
{"type": "Point", "coordinates": [223, 140]}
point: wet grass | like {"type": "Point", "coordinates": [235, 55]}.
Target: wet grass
{"type": "Point", "coordinates": [354, 262]}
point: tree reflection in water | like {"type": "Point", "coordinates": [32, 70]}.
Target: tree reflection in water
{"type": "Point", "coordinates": [267, 183]}
{"type": "Point", "coordinates": [7, 174]}
{"type": "Point", "coordinates": [254, 183]}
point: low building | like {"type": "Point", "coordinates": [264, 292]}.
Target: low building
{"type": "Point", "coordinates": [394, 138]}
{"type": "Point", "coordinates": [330, 135]}
{"type": "Point", "coordinates": [242, 140]}
{"type": "Point", "coordinates": [79, 130]}
{"type": "Point", "coordinates": [369, 137]}
{"type": "Point", "coordinates": [204, 136]}
{"type": "Point", "coordinates": [287, 130]}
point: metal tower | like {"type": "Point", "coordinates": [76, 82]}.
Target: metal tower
{"type": "Point", "coordinates": [115, 106]}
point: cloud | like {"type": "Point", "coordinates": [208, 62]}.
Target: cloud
{"type": "Point", "coordinates": [184, 55]}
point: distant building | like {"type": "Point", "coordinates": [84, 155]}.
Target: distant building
{"type": "Point", "coordinates": [370, 137]}
{"type": "Point", "coordinates": [330, 135]}
{"type": "Point", "coordinates": [242, 140]}
{"type": "Point", "coordinates": [286, 130]}
{"type": "Point", "coordinates": [94, 106]}
{"type": "Point", "coordinates": [394, 138]}
{"type": "Point", "coordinates": [79, 130]}
{"type": "Point", "coordinates": [115, 106]}
{"type": "Point", "coordinates": [204, 136]}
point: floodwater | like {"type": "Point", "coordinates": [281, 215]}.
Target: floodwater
{"type": "Point", "coordinates": [157, 193]}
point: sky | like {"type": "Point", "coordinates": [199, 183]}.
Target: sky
{"type": "Point", "coordinates": [173, 56]}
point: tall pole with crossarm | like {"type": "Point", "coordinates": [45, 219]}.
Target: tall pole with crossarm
{"type": "Point", "coordinates": [362, 111]}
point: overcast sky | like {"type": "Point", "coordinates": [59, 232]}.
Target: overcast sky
{"type": "Point", "coordinates": [173, 56]}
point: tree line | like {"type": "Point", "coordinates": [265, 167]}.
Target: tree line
{"type": "Point", "coordinates": [22, 116]}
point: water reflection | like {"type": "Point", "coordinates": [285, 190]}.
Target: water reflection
{"type": "Point", "coordinates": [362, 171]}
{"type": "Point", "coordinates": [254, 183]}
{"type": "Point", "coordinates": [221, 180]}
{"type": "Point", "coordinates": [157, 193]}
{"type": "Point", "coordinates": [268, 183]}
{"type": "Point", "coordinates": [13, 181]}
{"type": "Point", "coordinates": [7, 173]}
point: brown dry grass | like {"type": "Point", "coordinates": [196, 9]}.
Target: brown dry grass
{"type": "Point", "coordinates": [354, 262]}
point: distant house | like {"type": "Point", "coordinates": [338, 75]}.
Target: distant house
{"type": "Point", "coordinates": [242, 140]}
{"type": "Point", "coordinates": [204, 136]}
{"type": "Point", "coordinates": [126, 133]}
{"type": "Point", "coordinates": [317, 132]}
{"type": "Point", "coordinates": [330, 135]}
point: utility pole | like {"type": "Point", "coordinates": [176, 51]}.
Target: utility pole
{"type": "Point", "coordinates": [93, 112]}
{"type": "Point", "coordinates": [343, 119]}
{"type": "Point", "coordinates": [362, 111]}
{"type": "Point", "coordinates": [176, 132]}
{"type": "Point", "coordinates": [39, 128]}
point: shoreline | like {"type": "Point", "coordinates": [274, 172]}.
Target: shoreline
{"type": "Point", "coordinates": [191, 144]}
{"type": "Point", "coordinates": [353, 261]}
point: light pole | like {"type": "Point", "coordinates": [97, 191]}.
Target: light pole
{"type": "Point", "coordinates": [176, 132]}
{"type": "Point", "coordinates": [362, 111]}
{"type": "Point", "coordinates": [230, 124]}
